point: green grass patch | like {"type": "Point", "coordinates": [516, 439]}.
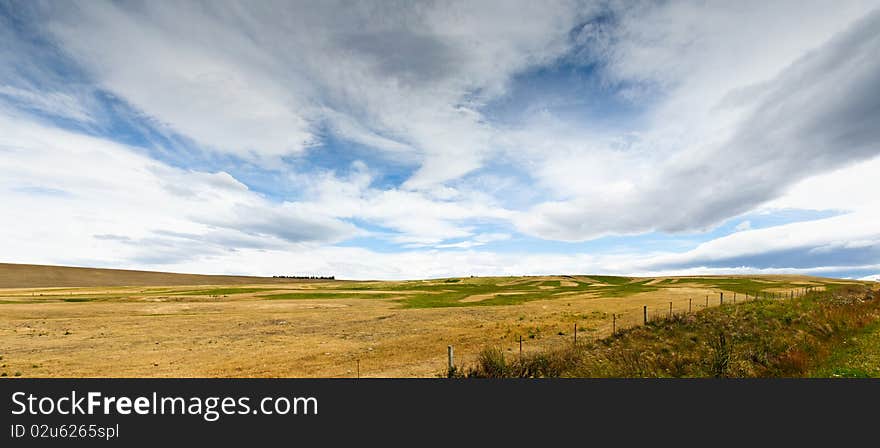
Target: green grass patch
{"type": "Point", "coordinates": [453, 299]}
{"type": "Point", "coordinates": [327, 295]}
{"type": "Point", "coordinates": [754, 286]}
{"type": "Point", "coordinates": [222, 291]}
{"type": "Point", "coordinates": [514, 294]}
{"type": "Point", "coordinates": [443, 294]}
{"type": "Point", "coordinates": [451, 295]}
{"type": "Point", "coordinates": [855, 357]}
{"type": "Point", "coordinates": [610, 279]}
{"type": "Point", "coordinates": [624, 289]}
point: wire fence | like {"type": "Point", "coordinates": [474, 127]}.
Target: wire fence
{"type": "Point", "coordinates": [644, 314]}
{"type": "Point", "coordinates": [636, 315]}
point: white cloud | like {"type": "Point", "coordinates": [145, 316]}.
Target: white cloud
{"type": "Point", "coordinates": [259, 81]}
{"type": "Point", "coordinates": [60, 189]}
{"type": "Point", "coordinates": [809, 242]}
{"type": "Point", "coordinates": [686, 173]}
{"type": "Point", "coordinates": [360, 263]}
{"type": "Point", "coordinates": [739, 108]}
{"type": "Point", "coordinates": [102, 201]}
{"type": "Point", "coordinates": [419, 218]}
{"type": "Point", "coordinates": [205, 84]}
{"type": "Point", "coordinates": [99, 203]}
{"type": "Point", "coordinates": [847, 188]}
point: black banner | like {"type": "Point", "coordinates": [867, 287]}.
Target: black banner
{"type": "Point", "coordinates": [98, 412]}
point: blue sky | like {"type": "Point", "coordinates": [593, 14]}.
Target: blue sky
{"type": "Point", "coordinates": [430, 140]}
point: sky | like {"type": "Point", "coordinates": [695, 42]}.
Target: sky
{"type": "Point", "coordinates": [405, 140]}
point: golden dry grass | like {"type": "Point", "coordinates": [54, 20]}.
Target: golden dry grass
{"type": "Point", "coordinates": [160, 332]}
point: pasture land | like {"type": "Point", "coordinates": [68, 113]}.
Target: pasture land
{"type": "Point", "coordinates": [295, 328]}
{"type": "Point", "coordinates": [815, 334]}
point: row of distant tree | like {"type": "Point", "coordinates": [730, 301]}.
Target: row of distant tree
{"type": "Point", "coordinates": [306, 277]}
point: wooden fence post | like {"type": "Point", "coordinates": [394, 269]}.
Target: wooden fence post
{"type": "Point", "coordinates": [689, 305]}
{"type": "Point", "coordinates": [670, 310]}
{"type": "Point", "coordinates": [451, 358]}
{"type": "Point", "coordinates": [613, 324]}
{"type": "Point", "coordinates": [520, 346]}
{"type": "Point", "coordinates": [645, 314]}
{"type": "Point", "coordinates": [575, 334]}
{"type": "Point", "coordinates": [721, 299]}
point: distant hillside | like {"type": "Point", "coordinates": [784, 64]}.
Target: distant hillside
{"type": "Point", "coordinates": [39, 276]}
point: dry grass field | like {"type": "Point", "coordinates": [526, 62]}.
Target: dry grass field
{"type": "Point", "coordinates": [214, 326]}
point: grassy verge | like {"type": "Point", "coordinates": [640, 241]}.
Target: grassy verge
{"type": "Point", "coordinates": [761, 338]}
{"type": "Point", "coordinates": [855, 357]}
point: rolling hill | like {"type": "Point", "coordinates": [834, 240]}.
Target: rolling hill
{"type": "Point", "coordinates": [41, 276]}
